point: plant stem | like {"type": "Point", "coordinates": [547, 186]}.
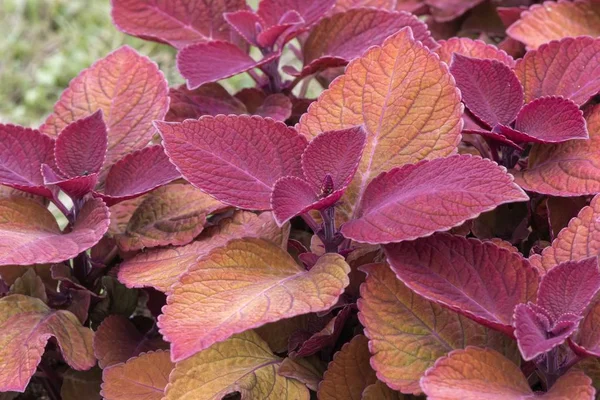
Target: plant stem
{"type": "Point", "coordinates": [62, 208]}
{"type": "Point", "coordinates": [312, 224]}
{"type": "Point", "coordinates": [551, 373]}
{"type": "Point", "coordinates": [330, 242]}
{"type": "Point", "coordinates": [270, 69]}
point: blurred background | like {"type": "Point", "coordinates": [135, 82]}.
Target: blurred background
{"type": "Point", "coordinates": [46, 43]}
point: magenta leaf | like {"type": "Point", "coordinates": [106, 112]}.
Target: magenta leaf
{"type": "Point", "coordinates": [489, 88]}
{"type": "Point", "coordinates": [288, 27]}
{"type": "Point", "coordinates": [236, 159]}
{"type": "Point", "coordinates": [177, 22]}
{"type": "Point", "coordinates": [22, 153]}
{"type": "Point", "coordinates": [325, 337]}
{"type": "Point", "coordinates": [277, 12]}
{"type": "Point", "coordinates": [417, 200]}
{"type": "Point", "coordinates": [76, 187]}
{"type": "Point", "coordinates": [81, 146]}
{"type": "Point", "coordinates": [136, 174]}
{"type": "Point", "coordinates": [246, 23]}
{"type": "Point", "coordinates": [277, 106]}
{"type": "Point", "coordinates": [497, 136]}
{"type": "Point", "coordinates": [208, 99]}
{"type": "Point", "coordinates": [586, 342]}
{"type": "Point", "coordinates": [208, 62]}
{"type": "Point", "coordinates": [328, 165]}
{"type": "Point", "coordinates": [29, 233]}
{"type": "Point", "coordinates": [477, 279]}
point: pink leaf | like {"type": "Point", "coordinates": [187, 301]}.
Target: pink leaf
{"type": "Point", "coordinates": [277, 106]}
{"type": "Point", "coordinates": [29, 233]}
{"type": "Point", "coordinates": [22, 152]}
{"type": "Point", "coordinates": [489, 89]}
{"type": "Point", "coordinates": [290, 24]}
{"type": "Point", "coordinates": [246, 23]}
{"type": "Point", "coordinates": [274, 11]}
{"type": "Point", "coordinates": [477, 279]}
{"type": "Point", "coordinates": [76, 187]}
{"type": "Point", "coordinates": [212, 61]}
{"type": "Point", "coordinates": [177, 22]}
{"type": "Point", "coordinates": [472, 48]}
{"type": "Point", "coordinates": [447, 10]}
{"type": "Point", "coordinates": [80, 148]}
{"type": "Point", "coordinates": [209, 99]}
{"type": "Point", "coordinates": [236, 159]}
{"type": "Point", "coordinates": [419, 199]}
{"type": "Point", "coordinates": [136, 174]}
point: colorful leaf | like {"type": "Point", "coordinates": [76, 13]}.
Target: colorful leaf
{"type": "Point", "coordinates": [236, 159]}
{"type": "Point", "coordinates": [567, 68]}
{"type": "Point", "coordinates": [22, 153]}
{"type": "Point", "coordinates": [561, 210]}
{"type": "Point", "coordinates": [475, 374]}
{"type": "Point", "coordinates": [143, 377]}
{"type": "Point", "coordinates": [76, 187]}
{"type": "Point", "coordinates": [407, 102]}
{"type": "Point", "coordinates": [242, 363]}
{"type": "Point", "coordinates": [136, 174]}
{"type": "Point", "coordinates": [417, 200]}
{"type": "Point", "coordinates": [587, 339]}
{"type": "Point", "coordinates": [477, 279]}
{"type": "Point", "coordinates": [490, 89]}
{"type": "Point", "coordinates": [129, 89]}
{"type": "Point", "coordinates": [307, 370]}
{"type": "Point", "coordinates": [209, 99]}
{"type": "Point", "coordinates": [349, 373]}
{"type": "Point", "coordinates": [408, 333]}
{"type": "Point", "coordinates": [277, 106]}
{"type": "Point", "coordinates": [274, 12]}
{"type": "Point", "coordinates": [261, 293]}
{"type": "Point", "coordinates": [326, 337]}
{"type": "Point", "coordinates": [29, 284]}
{"type": "Point", "coordinates": [202, 63]}
{"type": "Point", "coordinates": [160, 268]}
{"type": "Point", "coordinates": [565, 169]}
{"type": "Point", "coordinates": [117, 340]}
{"type": "Point", "coordinates": [473, 49]}
{"type": "Point", "coordinates": [29, 233]}
{"type": "Point", "coordinates": [177, 22]}
{"type": "Point", "coordinates": [379, 391]}
{"type": "Point", "coordinates": [328, 165]}
{"type": "Point", "coordinates": [447, 10]}
{"type": "Point", "coordinates": [556, 20]}
{"type": "Point", "coordinates": [26, 324]}
{"type": "Point", "coordinates": [173, 214]}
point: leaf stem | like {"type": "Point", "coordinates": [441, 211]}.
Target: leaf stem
{"type": "Point", "coordinates": [330, 240]}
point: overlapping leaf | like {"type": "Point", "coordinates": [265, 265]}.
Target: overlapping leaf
{"type": "Point", "coordinates": [26, 324]}
{"type": "Point", "coordinates": [477, 279]}
{"type": "Point", "coordinates": [556, 20]}
{"type": "Point", "coordinates": [407, 102]}
{"type": "Point", "coordinates": [568, 68]}
{"type": "Point", "coordinates": [311, 11]}
{"type": "Point", "coordinates": [379, 391]}
{"type": "Point", "coordinates": [236, 159]}
{"type": "Point", "coordinates": [268, 286]}
{"type": "Point", "coordinates": [143, 377]}
{"type": "Point", "coordinates": [349, 373]}
{"type": "Point", "coordinates": [209, 99]}
{"type": "Point", "coordinates": [587, 339]}
{"type": "Point", "coordinates": [472, 48]}
{"type": "Point", "coordinates": [307, 370]}
{"type": "Point", "coordinates": [177, 22]}
{"type": "Point", "coordinates": [29, 233]}
{"type": "Point", "coordinates": [565, 169]}
{"type": "Point", "coordinates": [417, 200]}
{"type": "Point", "coordinates": [173, 214]}
{"type": "Point", "coordinates": [160, 268]}
{"type": "Point", "coordinates": [408, 333]}
{"type": "Point", "coordinates": [242, 363]}
{"type": "Point", "coordinates": [129, 89]}
{"type": "Point", "coordinates": [447, 10]}
{"type": "Point", "coordinates": [475, 374]}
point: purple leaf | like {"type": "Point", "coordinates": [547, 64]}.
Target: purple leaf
{"type": "Point", "coordinates": [495, 136]}
{"type": "Point", "coordinates": [208, 99]}
{"type": "Point", "coordinates": [236, 159]}
{"type": "Point", "coordinates": [489, 88]}
{"type": "Point", "coordinates": [274, 35]}
{"type": "Point", "coordinates": [477, 279]}
{"type": "Point", "coordinates": [276, 12]}
{"type": "Point", "coordinates": [208, 62]}
{"type": "Point", "coordinates": [246, 23]}
{"type": "Point", "coordinates": [80, 147]}
{"type": "Point", "coordinates": [22, 153]}
{"type": "Point", "coordinates": [277, 106]}
{"type": "Point", "coordinates": [76, 187]}
{"type": "Point", "coordinates": [417, 200]}
{"type": "Point", "coordinates": [136, 174]}
{"type": "Point", "coordinates": [325, 337]}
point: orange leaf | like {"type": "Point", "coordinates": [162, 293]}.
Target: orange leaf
{"type": "Point", "coordinates": [555, 20]}
{"type": "Point", "coordinates": [571, 168]}
{"type": "Point", "coordinates": [128, 88]}
{"type": "Point", "coordinates": [243, 285]}
{"type": "Point", "coordinates": [160, 268]}
{"type": "Point", "coordinates": [379, 391]}
{"type": "Point", "coordinates": [408, 333]}
{"type": "Point", "coordinates": [407, 102]}
{"type": "Point", "coordinates": [349, 373]}
{"type": "Point", "coordinates": [242, 363]}
{"type": "Point", "coordinates": [143, 377]}
{"type": "Point", "coordinates": [26, 324]}
{"type": "Point", "coordinates": [472, 48]}
{"type": "Point", "coordinates": [475, 374]}
{"type": "Point", "coordinates": [173, 214]}
{"type": "Point", "coordinates": [307, 370]}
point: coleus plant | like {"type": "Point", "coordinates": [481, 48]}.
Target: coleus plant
{"type": "Point", "coordinates": [368, 244]}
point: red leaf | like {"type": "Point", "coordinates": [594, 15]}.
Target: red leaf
{"type": "Point", "coordinates": [277, 106]}
{"type": "Point", "coordinates": [472, 48]}
{"type": "Point", "coordinates": [22, 152]}
{"type": "Point", "coordinates": [247, 23]}
{"type": "Point", "coordinates": [489, 89]}
{"type": "Point", "coordinates": [419, 199]}
{"type": "Point", "coordinates": [207, 62]}
{"type": "Point", "coordinates": [76, 187]}
{"type": "Point", "coordinates": [236, 159]}
{"type": "Point", "coordinates": [477, 279]}
{"type": "Point", "coordinates": [136, 174]}
{"type": "Point", "coordinates": [177, 22]}
{"type": "Point", "coordinates": [209, 99]}
{"type": "Point", "coordinates": [274, 11]}
{"type": "Point", "coordinates": [566, 68]}
{"type": "Point", "coordinates": [29, 233]}
{"type": "Point", "coordinates": [325, 337]}
{"type": "Point", "coordinates": [80, 148]}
